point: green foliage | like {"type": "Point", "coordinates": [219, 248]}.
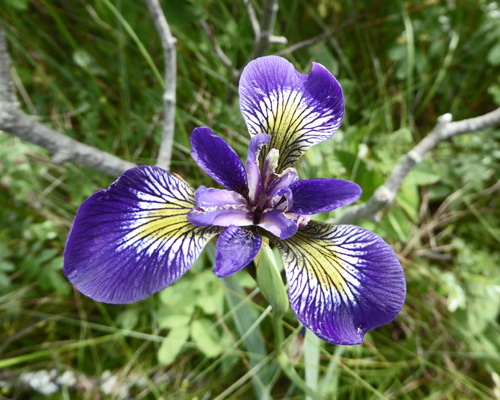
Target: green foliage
{"type": "Point", "coordinates": [93, 71]}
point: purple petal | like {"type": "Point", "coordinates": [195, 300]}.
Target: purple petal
{"type": "Point", "coordinates": [133, 239]}
{"type": "Point", "coordinates": [238, 215]}
{"type": "Point", "coordinates": [278, 223]}
{"type": "Point", "coordinates": [235, 248]}
{"type": "Point", "coordinates": [283, 180]}
{"type": "Point", "coordinates": [282, 199]}
{"type": "Point", "coordinates": [210, 197]}
{"type": "Point", "coordinates": [218, 160]}
{"type": "Point", "coordinates": [297, 110]}
{"type": "Point", "coordinates": [315, 196]}
{"type": "Point", "coordinates": [344, 280]}
{"type": "Point", "coordinates": [252, 166]}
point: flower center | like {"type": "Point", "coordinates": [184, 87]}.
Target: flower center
{"type": "Point", "coordinates": [267, 204]}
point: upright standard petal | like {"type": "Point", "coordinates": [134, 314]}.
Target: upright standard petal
{"type": "Point", "coordinates": [252, 166]}
{"type": "Point", "coordinates": [236, 247]}
{"type": "Point", "coordinates": [314, 196]}
{"type": "Point", "coordinates": [218, 160]}
{"type": "Point", "coordinates": [344, 280]}
{"type": "Point", "coordinates": [133, 239]}
{"type": "Point", "coordinates": [297, 110]}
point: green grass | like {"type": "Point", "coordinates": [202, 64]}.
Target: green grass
{"type": "Point", "coordinates": [92, 69]}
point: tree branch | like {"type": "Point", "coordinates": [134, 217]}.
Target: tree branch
{"type": "Point", "coordinates": [15, 122]}
{"type": "Point", "coordinates": [268, 18]}
{"type": "Point", "coordinates": [444, 129]}
{"type": "Point", "coordinates": [7, 89]}
{"type": "Point", "coordinates": [263, 37]}
{"type": "Point", "coordinates": [168, 43]}
{"type": "Point", "coordinates": [209, 32]}
{"type": "Point", "coordinates": [253, 19]}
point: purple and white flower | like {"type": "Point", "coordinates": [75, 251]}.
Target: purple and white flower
{"type": "Point", "coordinates": [145, 231]}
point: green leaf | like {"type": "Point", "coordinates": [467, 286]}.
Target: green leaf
{"type": "Point", "coordinates": [409, 200]}
{"type": "Point", "coordinates": [4, 280]}
{"type": "Point", "coordinates": [312, 345]}
{"type": "Point", "coordinates": [423, 174]}
{"type": "Point", "coordinates": [210, 293]}
{"type": "Point", "coordinates": [172, 321]}
{"type": "Point", "coordinates": [7, 266]}
{"type": "Point", "coordinates": [17, 4]}
{"type": "Point", "coordinates": [494, 55]}
{"type": "Point", "coordinates": [244, 317]}
{"type": "Point", "coordinates": [206, 337]}
{"type": "Point", "coordinates": [128, 319]}
{"type": "Point", "coordinates": [362, 172]}
{"type": "Point", "coordinates": [397, 225]}
{"type": "Point", "coordinates": [172, 344]}
{"type": "Point", "coordinates": [178, 298]}
{"type": "Point", "coordinates": [269, 280]}
{"type": "Point", "coordinates": [84, 60]}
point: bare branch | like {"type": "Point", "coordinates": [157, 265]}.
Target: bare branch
{"type": "Point", "coordinates": [253, 19]}
{"type": "Point", "coordinates": [7, 89]}
{"type": "Point", "coordinates": [269, 10]}
{"type": "Point", "coordinates": [263, 37]}
{"type": "Point", "coordinates": [168, 43]}
{"type": "Point", "coordinates": [444, 129]}
{"type": "Point", "coordinates": [304, 43]}
{"type": "Point", "coordinates": [15, 122]}
{"type": "Point", "coordinates": [227, 62]}
{"type": "Point", "coordinates": [62, 147]}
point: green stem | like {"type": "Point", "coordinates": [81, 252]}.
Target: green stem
{"type": "Point", "coordinates": [284, 363]}
{"type": "Point", "coordinates": [289, 371]}
{"type": "Point", "coordinates": [279, 335]}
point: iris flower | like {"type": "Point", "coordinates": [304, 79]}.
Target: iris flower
{"type": "Point", "coordinates": [145, 231]}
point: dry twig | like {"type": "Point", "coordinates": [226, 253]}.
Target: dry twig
{"type": "Point", "coordinates": [168, 43]}
{"type": "Point", "coordinates": [15, 122]}
{"type": "Point", "coordinates": [444, 129]}
{"type": "Point", "coordinates": [263, 33]}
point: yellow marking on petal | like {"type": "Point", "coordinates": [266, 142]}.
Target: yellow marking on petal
{"type": "Point", "coordinates": [292, 124]}
{"type": "Point", "coordinates": [323, 265]}
{"type": "Point", "coordinates": [319, 262]}
{"type": "Point", "coordinates": [162, 220]}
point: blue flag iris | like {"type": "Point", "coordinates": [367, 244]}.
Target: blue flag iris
{"type": "Point", "coordinates": [145, 231]}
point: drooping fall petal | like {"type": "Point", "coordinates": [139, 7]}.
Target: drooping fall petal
{"type": "Point", "coordinates": [344, 280]}
{"type": "Point", "coordinates": [133, 239]}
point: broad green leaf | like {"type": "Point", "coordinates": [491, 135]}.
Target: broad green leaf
{"type": "Point", "coordinates": [210, 293]}
{"type": "Point", "coordinates": [172, 344]}
{"type": "Point", "coordinates": [17, 4]}
{"type": "Point", "coordinates": [206, 337]}
{"type": "Point", "coordinates": [128, 319]}
{"type": "Point", "coordinates": [409, 200]}
{"type": "Point", "coordinates": [423, 174]}
{"type": "Point", "coordinates": [362, 172]}
{"type": "Point", "coordinates": [397, 225]}
{"type": "Point", "coordinates": [84, 60]}
{"type": "Point", "coordinates": [494, 55]}
{"type": "Point", "coordinates": [172, 321]}
{"type": "Point", "coordinates": [179, 298]}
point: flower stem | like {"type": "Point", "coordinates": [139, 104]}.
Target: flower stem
{"type": "Point", "coordinates": [279, 336]}
{"type": "Point", "coordinates": [285, 364]}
